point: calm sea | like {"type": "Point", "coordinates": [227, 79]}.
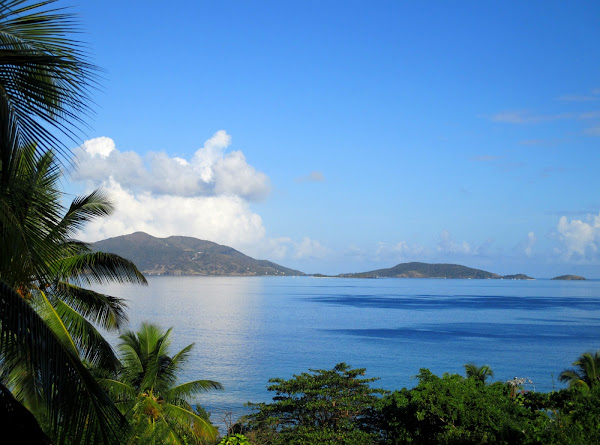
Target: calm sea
{"type": "Point", "coordinates": [247, 330]}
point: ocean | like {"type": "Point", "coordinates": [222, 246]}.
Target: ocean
{"type": "Point", "coordinates": [247, 330]}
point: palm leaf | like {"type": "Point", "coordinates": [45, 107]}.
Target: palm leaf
{"type": "Point", "coordinates": [198, 426]}
{"type": "Point", "coordinates": [45, 79]}
{"type": "Point", "coordinates": [90, 343]}
{"type": "Point", "coordinates": [104, 310]}
{"type": "Point", "coordinates": [84, 209]}
{"type": "Point", "coordinates": [99, 268]}
{"type": "Point", "coordinates": [119, 391]}
{"type": "Point", "coordinates": [187, 390]}
{"type": "Point", "coordinates": [79, 410]}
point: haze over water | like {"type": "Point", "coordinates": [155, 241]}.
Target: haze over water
{"type": "Point", "coordinates": [250, 329]}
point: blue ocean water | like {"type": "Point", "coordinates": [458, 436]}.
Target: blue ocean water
{"type": "Point", "coordinates": [247, 330]}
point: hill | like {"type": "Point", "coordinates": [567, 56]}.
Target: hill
{"type": "Point", "coordinates": [519, 276]}
{"type": "Point", "coordinates": [425, 270]}
{"type": "Point", "coordinates": [569, 277]}
{"type": "Point", "coordinates": [183, 255]}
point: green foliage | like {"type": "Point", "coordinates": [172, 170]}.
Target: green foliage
{"type": "Point", "coordinates": [586, 372]}
{"type": "Point", "coordinates": [453, 410]}
{"type": "Point", "coordinates": [479, 373]}
{"type": "Point", "coordinates": [573, 415]}
{"type": "Point", "coordinates": [147, 391]}
{"type": "Point", "coordinates": [337, 407]}
{"type": "Point", "coordinates": [45, 77]}
{"type": "Point", "coordinates": [48, 322]}
{"type": "Point", "coordinates": [235, 439]}
{"type": "Point", "coordinates": [323, 406]}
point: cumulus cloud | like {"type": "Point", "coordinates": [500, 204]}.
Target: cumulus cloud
{"type": "Point", "coordinates": [448, 245]}
{"type": "Point", "coordinates": [207, 196]}
{"type": "Point", "coordinates": [210, 172]}
{"type": "Point", "coordinates": [223, 219]}
{"type": "Point", "coordinates": [531, 239]}
{"type": "Point", "coordinates": [579, 238]}
{"type": "Point", "coordinates": [309, 248]}
{"type": "Point", "coordinates": [400, 251]}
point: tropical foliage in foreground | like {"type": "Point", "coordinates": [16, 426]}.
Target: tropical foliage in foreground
{"type": "Point", "coordinates": [147, 391]}
{"type": "Point", "coordinates": [49, 321]}
{"type": "Point", "coordinates": [586, 373]}
{"type": "Point", "coordinates": [323, 406]}
{"type": "Point", "coordinates": [336, 407]}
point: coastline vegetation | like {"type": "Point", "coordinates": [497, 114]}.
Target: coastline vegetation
{"type": "Point", "coordinates": [338, 407]}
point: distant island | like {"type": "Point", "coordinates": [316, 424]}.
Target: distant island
{"type": "Point", "coordinates": [183, 255]}
{"type": "Point", "coordinates": [569, 277]}
{"type": "Point", "coordinates": [519, 276]}
{"type": "Point", "coordinates": [425, 270]}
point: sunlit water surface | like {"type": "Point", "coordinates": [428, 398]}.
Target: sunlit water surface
{"type": "Point", "coordinates": [247, 330]}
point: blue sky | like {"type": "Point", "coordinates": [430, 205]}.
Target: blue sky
{"type": "Point", "coordinates": [346, 136]}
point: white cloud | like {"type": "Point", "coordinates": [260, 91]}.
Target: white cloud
{"type": "Point", "coordinates": [224, 219]}
{"type": "Point", "coordinates": [400, 251]}
{"type": "Point", "coordinates": [580, 238]}
{"type": "Point", "coordinates": [531, 239]}
{"type": "Point", "coordinates": [310, 248]}
{"type": "Point", "coordinates": [448, 245]}
{"type": "Point", "coordinates": [99, 147]}
{"type": "Point", "coordinates": [206, 197]}
{"type": "Point", "coordinates": [210, 172]}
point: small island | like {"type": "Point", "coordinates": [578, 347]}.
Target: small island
{"type": "Point", "coordinates": [519, 276]}
{"type": "Point", "coordinates": [425, 270]}
{"type": "Point", "coordinates": [569, 278]}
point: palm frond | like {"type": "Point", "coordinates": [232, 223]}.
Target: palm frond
{"type": "Point", "coordinates": [99, 268]}
{"type": "Point", "coordinates": [90, 343]}
{"type": "Point", "coordinates": [78, 408]}
{"type": "Point", "coordinates": [48, 312]}
{"type": "Point", "coordinates": [199, 427]}
{"type": "Point", "coordinates": [45, 78]}
{"type": "Point", "coordinates": [119, 391]}
{"type": "Point", "coordinates": [84, 209]}
{"type": "Point", "coordinates": [187, 390]}
{"type": "Point", "coordinates": [104, 310]}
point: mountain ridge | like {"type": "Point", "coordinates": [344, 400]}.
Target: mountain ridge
{"type": "Point", "coordinates": [185, 255]}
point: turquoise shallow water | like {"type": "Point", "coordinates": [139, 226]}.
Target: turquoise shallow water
{"type": "Point", "coordinates": [247, 330]}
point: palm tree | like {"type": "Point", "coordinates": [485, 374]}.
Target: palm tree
{"type": "Point", "coordinates": [586, 372]}
{"type": "Point", "coordinates": [45, 82]}
{"type": "Point", "coordinates": [45, 78]}
{"type": "Point", "coordinates": [480, 373]}
{"type": "Point", "coordinates": [47, 320]}
{"type": "Point", "coordinates": [147, 390]}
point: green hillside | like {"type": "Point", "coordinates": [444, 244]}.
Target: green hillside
{"type": "Point", "coordinates": [424, 270]}
{"type": "Point", "coordinates": [183, 255]}
{"type": "Point", "coordinates": [569, 278]}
